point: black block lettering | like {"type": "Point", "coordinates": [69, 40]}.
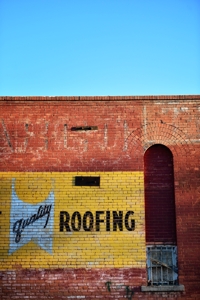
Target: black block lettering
{"type": "Point", "coordinates": [64, 221]}
{"type": "Point", "coordinates": [98, 220]}
{"type": "Point", "coordinates": [76, 226]}
{"type": "Point", "coordinates": [130, 226]}
{"type": "Point", "coordinates": [118, 220]}
{"type": "Point", "coordinates": [107, 220]}
{"type": "Point", "coordinates": [88, 216]}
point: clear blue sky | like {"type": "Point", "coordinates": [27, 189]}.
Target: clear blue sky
{"type": "Point", "coordinates": [99, 47]}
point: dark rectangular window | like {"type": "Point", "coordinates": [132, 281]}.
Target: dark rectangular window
{"type": "Point", "coordinates": [87, 180]}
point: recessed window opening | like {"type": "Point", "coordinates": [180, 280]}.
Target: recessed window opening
{"type": "Point", "coordinates": [84, 128]}
{"type": "Point", "coordinates": [160, 216]}
{"type": "Point", "coordinates": [87, 181]}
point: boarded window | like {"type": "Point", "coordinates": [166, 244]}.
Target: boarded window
{"type": "Point", "coordinates": [159, 196]}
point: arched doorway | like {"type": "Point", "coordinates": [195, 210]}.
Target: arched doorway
{"type": "Point", "coordinates": [160, 216]}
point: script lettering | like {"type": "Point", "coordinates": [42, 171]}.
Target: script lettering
{"type": "Point", "coordinates": [21, 224]}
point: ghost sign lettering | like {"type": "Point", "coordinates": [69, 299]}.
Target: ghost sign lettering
{"type": "Point", "coordinates": [35, 222]}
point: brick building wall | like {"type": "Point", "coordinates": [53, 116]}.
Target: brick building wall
{"type": "Point", "coordinates": [62, 240]}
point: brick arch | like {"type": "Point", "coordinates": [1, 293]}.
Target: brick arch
{"type": "Point", "coordinates": [153, 133]}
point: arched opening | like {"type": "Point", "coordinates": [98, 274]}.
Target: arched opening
{"type": "Point", "coordinates": [159, 195]}
{"type": "Point", "coordinates": [160, 216]}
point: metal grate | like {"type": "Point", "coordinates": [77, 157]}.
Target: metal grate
{"type": "Point", "coordinates": [162, 265]}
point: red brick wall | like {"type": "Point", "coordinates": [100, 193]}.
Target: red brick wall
{"type": "Point", "coordinates": [35, 135]}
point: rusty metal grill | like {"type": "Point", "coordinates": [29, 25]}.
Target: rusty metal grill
{"type": "Point", "coordinates": [162, 265]}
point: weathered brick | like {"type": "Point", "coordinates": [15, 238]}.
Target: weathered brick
{"type": "Point", "coordinates": [39, 149]}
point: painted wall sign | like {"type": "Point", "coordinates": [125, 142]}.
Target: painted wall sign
{"type": "Point", "coordinates": [31, 222]}
{"type": "Point", "coordinates": [90, 221]}
{"type": "Point", "coordinates": [35, 135]}
{"type": "Point", "coordinates": [47, 220]}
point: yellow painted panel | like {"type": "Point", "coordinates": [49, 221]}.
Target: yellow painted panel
{"type": "Point", "coordinates": [44, 224]}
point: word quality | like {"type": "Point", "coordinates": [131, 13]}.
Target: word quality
{"type": "Point", "coordinates": [91, 222]}
{"type": "Point", "coordinates": [21, 224]}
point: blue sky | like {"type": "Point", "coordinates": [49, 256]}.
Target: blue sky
{"type": "Point", "coordinates": [99, 47]}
